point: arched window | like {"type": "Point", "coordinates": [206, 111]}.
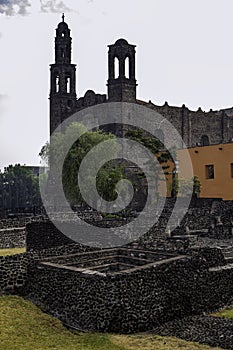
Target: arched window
{"type": "Point", "coordinates": [127, 69]}
{"type": "Point", "coordinates": [57, 83]}
{"type": "Point", "coordinates": [205, 140]}
{"type": "Point", "coordinates": [159, 135]}
{"type": "Point", "coordinates": [62, 53]}
{"type": "Point", "coordinates": [63, 34]}
{"type": "Point", "coordinates": [116, 68]}
{"type": "Point", "coordinates": [68, 85]}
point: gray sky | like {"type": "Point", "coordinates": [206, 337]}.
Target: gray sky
{"type": "Point", "coordinates": [184, 55]}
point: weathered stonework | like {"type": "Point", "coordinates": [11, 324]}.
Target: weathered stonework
{"type": "Point", "coordinates": [127, 289]}
{"type": "Point", "coordinates": [12, 231]}
{"type": "Point", "coordinates": [131, 300]}
{"type": "Point", "coordinates": [195, 127]}
{"type": "Point", "coordinates": [12, 238]}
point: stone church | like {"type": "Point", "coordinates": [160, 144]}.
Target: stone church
{"type": "Point", "coordinates": [197, 128]}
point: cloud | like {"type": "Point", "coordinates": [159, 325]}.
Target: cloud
{"type": "Point", "coordinates": [13, 7]}
{"type": "Point", "coordinates": [54, 6]}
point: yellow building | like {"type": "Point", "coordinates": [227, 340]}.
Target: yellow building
{"type": "Point", "coordinates": [213, 165]}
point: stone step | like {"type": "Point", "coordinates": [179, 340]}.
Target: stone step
{"type": "Point", "coordinates": [228, 254]}
{"type": "Point", "coordinates": [226, 249]}
{"type": "Point", "coordinates": [229, 260]}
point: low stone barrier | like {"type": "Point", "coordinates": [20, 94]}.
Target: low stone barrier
{"type": "Point", "coordinates": [12, 238]}
{"type": "Point", "coordinates": [129, 301]}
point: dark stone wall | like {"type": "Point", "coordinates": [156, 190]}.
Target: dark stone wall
{"type": "Point", "coordinates": [130, 302]}
{"type": "Point", "coordinates": [12, 238]}
{"type": "Point", "coordinates": [12, 231]}
{"type": "Point", "coordinates": [43, 235]}
{"type": "Point", "coordinates": [192, 125]}
{"type": "Point", "coordinates": [13, 273]}
{"type": "Point", "coordinates": [14, 269]}
{"type": "Point", "coordinates": [199, 217]}
{"type": "Point", "coordinates": [19, 222]}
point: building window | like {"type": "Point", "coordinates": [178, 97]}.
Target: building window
{"type": "Point", "coordinates": [209, 171]}
{"type": "Point", "coordinates": [57, 84]}
{"type": "Point", "coordinates": [68, 85]}
{"type": "Point", "coordinates": [116, 68]}
{"type": "Point", "coordinates": [205, 140]}
{"type": "Point", "coordinates": [127, 68]}
{"type": "Point", "coordinates": [232, 170]}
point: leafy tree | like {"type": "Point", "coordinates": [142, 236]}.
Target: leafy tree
{"type": "Point", "coordinates": [19, 188]}
{"type": "Point", "coordinates": [156, 147]}
{"type": "Point", "coordinates": [184, 185]}
{"type": "Point", "coordinates": [107, 176]}
{"type": "Point", "coordinates": [151, 143]}
{"type": "Point", "coordinates": [196, 186]}
{"type": "Point", "coordinates": [111, 173]}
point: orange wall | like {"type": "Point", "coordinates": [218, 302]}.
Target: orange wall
{"type": "Point", "coordinates": [221, 156]}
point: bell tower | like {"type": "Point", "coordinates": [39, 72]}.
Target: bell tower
{"type": "Point", "coordinates": [63, 78]}
{"type": "Point", "coordinates": [121, 68]}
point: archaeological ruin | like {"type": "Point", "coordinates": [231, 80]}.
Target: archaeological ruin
{"type": "Point", "coordinates": [166, 274]}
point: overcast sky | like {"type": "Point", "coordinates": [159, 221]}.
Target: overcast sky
{"type": "Point", "coordinates": [184, 55]}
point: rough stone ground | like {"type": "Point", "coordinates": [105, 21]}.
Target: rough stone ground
{"type": "Point", "coordinates": [213, 331]}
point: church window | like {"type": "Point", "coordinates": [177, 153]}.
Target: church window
{"type": "Point", "coordinates": [116, 68]}
{"type": "Point", "coordinates": [209, 171]}
{"type": "Point", "coordinates": [205, 140]}
{"type": "Point", "coordinates": [127, 67]}
{"type": "Point", "coordinates": [57, 83]}
{"type": "Point", "coordinates": [68, 85]}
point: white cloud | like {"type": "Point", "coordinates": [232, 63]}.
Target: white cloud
{"type": "Point", "coordinates": [54, 6]}
{"type": "Point", "coordinates": [13, 7]}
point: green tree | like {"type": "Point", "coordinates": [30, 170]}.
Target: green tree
{"type": "Point", "coordinates": [156, 147]}
{"type": "Point", "coordinates": [19, 188]}
{"type": "Point", "coordinates": [151, 143]}
{"type": "Point", "coordinates": [196, 186]}
{"type": "Point", "coordinates": [107, 176]}
{"type": "Point", "coordinates": [182, 186]}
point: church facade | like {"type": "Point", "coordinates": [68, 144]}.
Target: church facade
{"type": "Point", "coordinates": [201, 131]}
{"type": "Point", "coordinates": [197, 128]}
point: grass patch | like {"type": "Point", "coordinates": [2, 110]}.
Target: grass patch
{"type": "Point", "coordinates": [226, 313]}
{"type": "Point", "coordinates": [23, 326]}
{"type": "Point", "coordinates": [155, 342]}
{"type": "Point", "coordinates": [12, 251]}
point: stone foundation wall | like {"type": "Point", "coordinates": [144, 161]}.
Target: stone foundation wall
{"type": "Point", "coordinates": [12, 231]}
{"type": "Point", "coordinates": [19, 222]}
{"type": "Point", "coordinates": [13, 273]}
{"type": "Point", "coordinates": [12, 238]}
{"type": "Point", "coordinates": [130, 302]}
{"type": "Point", "coordinates": [44, 235]}
{"type": "Point", "coordinates": [14, 269]}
